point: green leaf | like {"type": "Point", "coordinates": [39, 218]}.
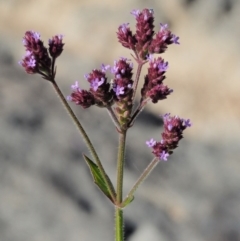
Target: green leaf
{"type": "Point", "coordinates": [127, 201]}
{"type": "Point", "coordinates": [98, 177]}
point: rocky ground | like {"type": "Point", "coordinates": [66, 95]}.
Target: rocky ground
{"type": "Point", "coordinates": [46, 192]}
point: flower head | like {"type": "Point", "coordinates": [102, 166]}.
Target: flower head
{"type": "Point", "coordinates": [36, 59]}
{"type": "Point", "coordinates": [144, 31]}
{"type": "Point", "coordinates": [29, 63]}
{"type": "Point", "coordinates": [163, 38]}
{"type": "Point", "coordinates": [172, 134]}
{"type": "Point", "coordinates": [125, 36]}
{"type": "Point", "coordinates": [145, 41]}
{"type": "Point", "coordinates": [122, 83]}
{"type": "Point", "coordinates": [99, 87]}
{"type": "Point", "coordinates": [81, 97]}
{"type": "Point", "coordinates": [153, 87]}
{"type": "Point", "coordinates": [56, 45]}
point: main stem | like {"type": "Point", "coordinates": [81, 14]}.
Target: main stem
{"type": "Point", "coordinates": [119, 224]}
{"type": "Point", "coordinates": [119, 228]}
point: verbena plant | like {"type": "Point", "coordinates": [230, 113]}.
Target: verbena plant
{"type": "Point", "coordinates": [118, 97]}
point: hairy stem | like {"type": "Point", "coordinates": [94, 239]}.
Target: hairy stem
{"type": "Point", "coordinates": [119, 224]}
{"type": "Point", "coordinates": [120, 166]}
{"type": "Point", "coordinates": [119, 228]}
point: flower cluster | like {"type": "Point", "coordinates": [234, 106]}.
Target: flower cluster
{"type": "Point", "coordinates": [39, 59]}
{"type": "Point", "coordinates": [100, 92]}
{"type": "Point", "coordinates": [104, 94]}
{"type": "Point", "coordinates": [172, 134]}
{"type": "Point", "coordinates": [153, 87]}
{"type": "Point", "coordinates": [118, 93]}
{"type": "Point", "coordinates": [123, 89]}
{"type": "Point", "coordinates": [145, 42]}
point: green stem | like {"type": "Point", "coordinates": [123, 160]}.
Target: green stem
{"type": "Point", "coordinates": [119, 224]}
{"type": "Point", "coordinates": [143, 176]}
{"type": "Point", "coordinates": [119, 228]}
{"type": "Point", "coordinates": [120, 166]}
{"type": "Point", "coordinates": [86, 139]}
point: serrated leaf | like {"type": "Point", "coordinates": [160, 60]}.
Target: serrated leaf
{"type": "Point", "coordinates": [97, 177]}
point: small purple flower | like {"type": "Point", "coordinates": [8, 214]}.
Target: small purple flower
{"type": "Point", "coordinates": [169, 127]}
{"type": "Point", "coordinates": [104, 67]}
{"type": "Point", "coordinates": [31, 62]}
{"type": "Point", "coordinates": [164, 156]}
{"type": "Point", "coordinates": [151, 142]}
{"type": "Point", "coordinates": [163, 27]}
{"type": "Point", "coordinates": [187, 123]}
{"type": "Point", "coordinates": [135, 12]}
{"type": "Point", "coordinates": [86, 76]}
{"type": "Point", "coordinates": [75, 86]}
{"type": "Point", "coordinates": [115, 68]}
{"type": "Point", "coordinates": [150, 57]}
{"type": "Point", "coordinates": [118, 90]}
{"type": "Point", "coordinates": [175, 39]}
{"type": "Point", "coordinates": [96, 83]}
{"type": "Point", "coordinates": [163, 66]}
{"type": "Point", "coordinates": [124, 27]}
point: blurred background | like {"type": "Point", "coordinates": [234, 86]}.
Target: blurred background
{"type": "Point", "coordinates": [46, 190]}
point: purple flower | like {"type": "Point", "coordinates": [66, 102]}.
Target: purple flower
{"type": "Point", "coordinates": [164, 156]}
{"type": "Point", "coordinates": [118, 90]}
{"type": "Point", "coordinates": [163, 27]}
{"type": "Point", "coordinates": [175, 39]}
{"type": "Point", "coordinates": [96, 83]}
{"type": "Point", "coordinates": [151, 142]}
{"type": "Point", "coordinates": [124, 27]}
{"type": "Point", "coordinates": [104, 67]}
{"type": "Point", "coordinates": [187, 123]}
{"type": "Point", "coordinates": [75, 86]}
{"type": "Point", "coordinates": [163, 66]}
{"type": "Point", "coordinates": [135, 12]}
